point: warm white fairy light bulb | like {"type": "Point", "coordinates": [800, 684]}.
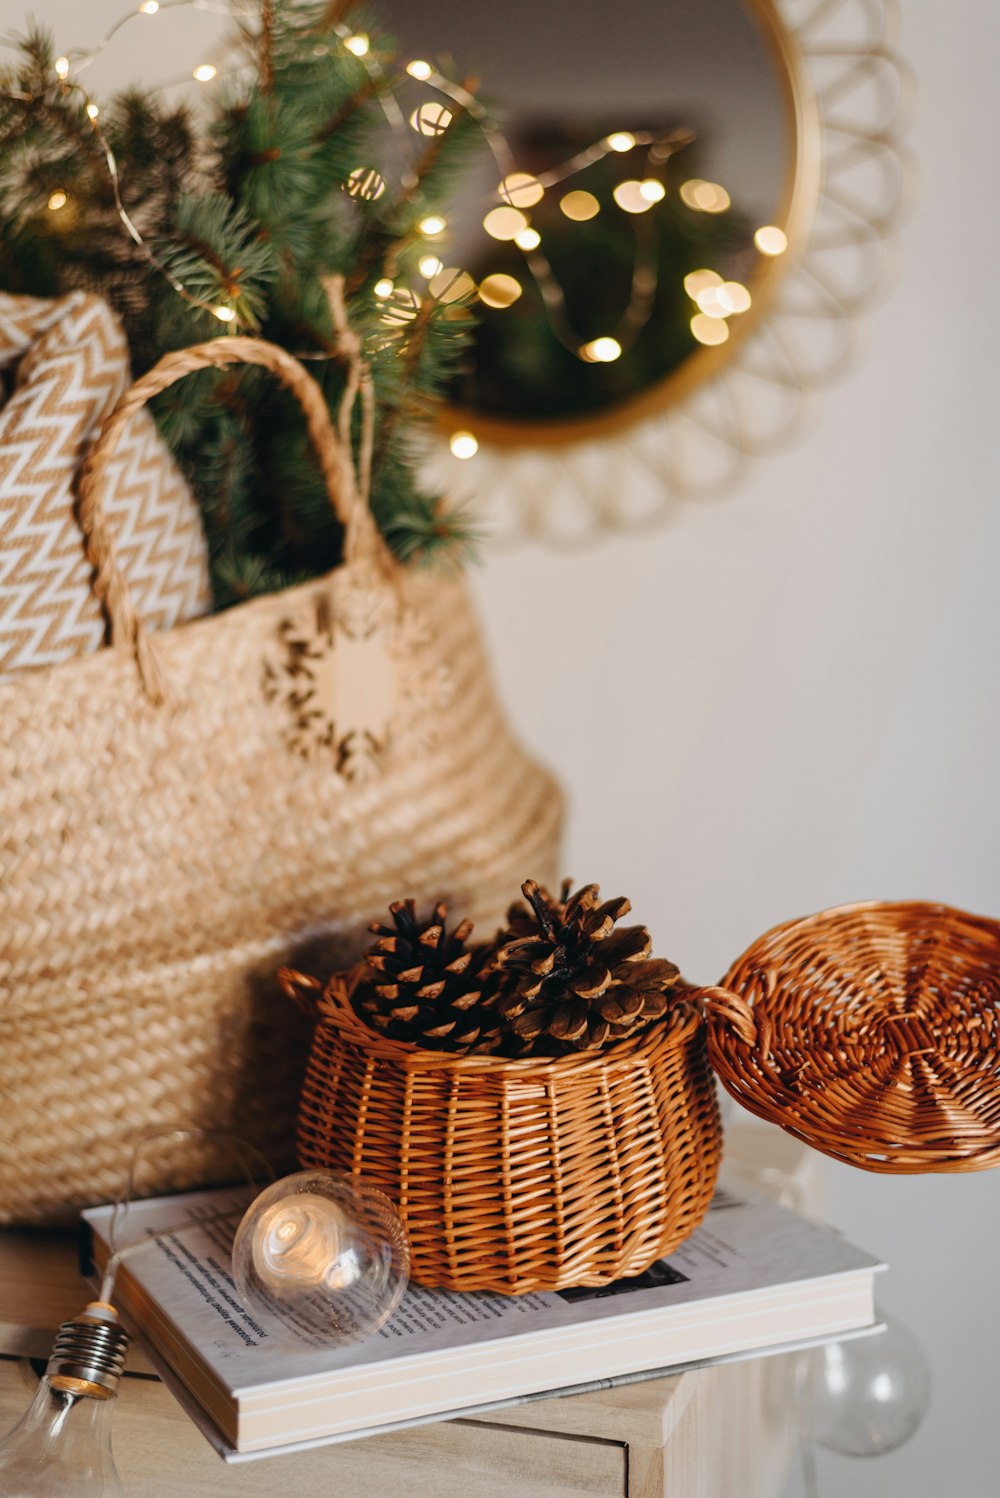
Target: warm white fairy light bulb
{"type": "Point", "coordinates": [92, 111]}
{"type": "Point", "coordinates": [620, 140]}
{"type": "Point", "coordinates": [149, 7]}
{"type": "Point", "coordinates": [710, 302]}
{"type": "Point", "coordinates": [321, 1253]}
{"type": "Point", "coordinates": [451, 284]}
{"type": "Point", "coordinates": [505, 223]}
{"type": "Point", "coordinates": [401, 306]}
{"type": "Point", "coordinates": [429, 265]}
{"type": "Point", "coordinates": [419, 69]}
{"type": "Point", "coordinates": [630, 197]}
{"type": "Point", "coordinates": [57, 200]}
{"type": "Point", "coordinates": [224, 314]}
{"type": "Point", "coordinates": [579, 206]}
{"type": "Point", "coordinates": [432, 225]}
{"type": "Point", "coordinates": [365, 182]}
{"type": "Point", "coordinates": [704, 197]}
{"type": "Point", "coordinates": [204, 72]}
{"type": "Point", "coordinates": [699, 280]}
{"type": "Point", "coordinates": [521, 190]}
{"type": "Point", "coordinates": [601, 351]}
{"type": "Point", "coordinates": [528, 240]}
{"type": "Point", "coordinates": [771, 240]}
{"type": "Point", "coordinates": [358, 44]}
{"type": "Point", "coordinates": [463, 445]}
{"type": "Point", "coordinates": [499, 290]}
{"type": "Point", "coordinates": [383, 287]}
{"type": "Point", "coordinates": [734, 297]}
{"type": "Point", "coordinates": [61, 66]}
{"type": "Point", "coordinates": [709, 330]}
{"type": "Point", "coordinates": [431, 119]}
{"type": "Point", "coordinates": [652, 189]}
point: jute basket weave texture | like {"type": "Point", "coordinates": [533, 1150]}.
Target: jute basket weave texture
{"type": "Point", "coordinates": [518, 1175]}
{"type": "Point", "coordinates": [164, 849]}
{"type": "Point", "coordinates": [872, 1032]}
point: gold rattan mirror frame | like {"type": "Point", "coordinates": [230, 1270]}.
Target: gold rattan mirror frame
{"type": "Point", "coordinates": [691, 436]}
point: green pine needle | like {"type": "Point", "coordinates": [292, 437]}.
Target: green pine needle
{"type": "Point", "coordinates": [252, 212]}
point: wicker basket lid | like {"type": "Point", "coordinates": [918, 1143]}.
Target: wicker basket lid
{"type": "Point", "coordinates": [871, 1032]}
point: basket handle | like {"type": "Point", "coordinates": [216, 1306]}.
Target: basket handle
{"type": "Point", "coordinates": [332, 1002]}
{"type": "Point", "coordinates": [726, 1007]}
{"type": "Point", "coordinates": [331, 999]}
{"type": "Point", "coordinates": [361, 537]}
{"type": "Point", "coordinates": [303, 990]}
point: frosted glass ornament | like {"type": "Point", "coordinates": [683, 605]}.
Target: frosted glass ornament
{"type": "Point", "coordinates": [868, 1395]}
{"type": "Point", "coordinates": [321, 1258]}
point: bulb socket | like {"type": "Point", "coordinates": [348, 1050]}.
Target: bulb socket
{"type": "Point", "coordinates": [89, 1354]}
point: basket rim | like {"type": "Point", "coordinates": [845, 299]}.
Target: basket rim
{"type": "Point", "coordinates": [989, 925]}
{"type": "Point", "coordinates": [333, 1007]}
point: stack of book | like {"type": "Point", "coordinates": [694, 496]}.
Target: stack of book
{"type": "Point", "coordinates": [754, 1278]}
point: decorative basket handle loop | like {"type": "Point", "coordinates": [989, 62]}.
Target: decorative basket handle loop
{"type": "Point", "coordinates": [303, 990]}
{"type": "Point", "coordinates": [330, 1000]}
{"type": "Point", "coordinates": [361, 537]}
{"type": "Point", "coordinates": [730, 1008]}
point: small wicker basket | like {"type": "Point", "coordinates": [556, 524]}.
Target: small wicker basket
{"type": "Point", "coordinates": [517, 1175]}
{"type": "Point", "coordinates": [872, 1032]}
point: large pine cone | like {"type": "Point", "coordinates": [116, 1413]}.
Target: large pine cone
{"type": "Point", "coordinates": [573, 979]}
{"type": "Point", "coordinates": [427, 986]}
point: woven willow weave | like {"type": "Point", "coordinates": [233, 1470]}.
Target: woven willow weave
{"type": "Point", "coordinates": [518, 1175]}
{"type": "Point", "coordinates": [872, 1032]}
{"type": "Point", "coordinates": [165, 846]}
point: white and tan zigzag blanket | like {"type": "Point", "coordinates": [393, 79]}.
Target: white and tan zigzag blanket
{"type": "Point", "coordinates": [65, 363]}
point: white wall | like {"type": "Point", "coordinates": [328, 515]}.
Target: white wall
{"type": "Point", "coordinates": [790, 700]}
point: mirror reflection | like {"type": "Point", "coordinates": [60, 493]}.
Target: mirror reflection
{"type": "Point", "coordinates": [641, 206]}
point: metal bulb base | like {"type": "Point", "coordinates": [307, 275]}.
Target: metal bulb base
{"type": "Point", "coordinates": [89, 1352]}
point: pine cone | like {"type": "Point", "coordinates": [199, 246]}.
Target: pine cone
{"type": "Point", "coordinates": [428, 987]}
{"type": "Point", "coordinates": [573, 977]}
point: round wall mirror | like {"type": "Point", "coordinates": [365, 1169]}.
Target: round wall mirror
{"type": "Point", "coordinates": [783, 176]}
{"type": "Point", "coordinates": [664, 159]}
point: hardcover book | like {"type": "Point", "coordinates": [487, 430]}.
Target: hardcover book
{"type": "Point", "coordinates": [753, 1278]}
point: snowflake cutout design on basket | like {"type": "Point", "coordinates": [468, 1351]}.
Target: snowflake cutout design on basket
{"type": "Point", "coordinates": [353, 673]}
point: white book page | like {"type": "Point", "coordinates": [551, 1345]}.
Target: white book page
{"type": "Point", "coordinates": [184, 1288]}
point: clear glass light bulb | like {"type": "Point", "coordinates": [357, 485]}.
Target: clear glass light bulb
{"type": "Point", "coordinates": [61, 1446]}
{"type": "Point", "coordinates": [869, 1395]}
{"type": "Point", "coordinates": [321, 1258]}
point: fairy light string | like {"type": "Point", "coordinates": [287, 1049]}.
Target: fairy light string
{"type": "Point", "coordinates": [714, 300]}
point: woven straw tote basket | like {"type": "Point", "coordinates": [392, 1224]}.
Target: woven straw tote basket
{"type": "Point", "coordinates": [517, 1175]}
{"type": "Point", "coordinates": [181, 814]}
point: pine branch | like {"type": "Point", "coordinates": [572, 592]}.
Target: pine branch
{"type": "Point", "coordinates": [432, 153]}
{"type": "Point", "coordinates": [336, 122]}
{"type": "Point", "coordinates": [383, 250]}
{"type": "Point", "coordinates": [250, 213]}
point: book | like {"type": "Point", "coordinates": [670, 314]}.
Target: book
{"type": "Point", "coordinates": [754, 1277]}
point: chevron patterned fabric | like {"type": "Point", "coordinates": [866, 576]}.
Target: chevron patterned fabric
{"type": "Point", "coordinates": [66, 364]}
